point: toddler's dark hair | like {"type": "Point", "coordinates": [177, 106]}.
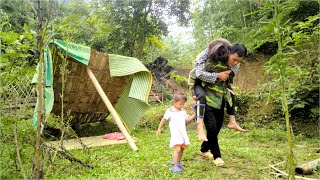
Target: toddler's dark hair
{"type": "Point", "coordinates": [179, 96]}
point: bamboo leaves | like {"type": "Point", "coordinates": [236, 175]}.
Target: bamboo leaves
{"type": "Point", "coordinates": [278, 64]}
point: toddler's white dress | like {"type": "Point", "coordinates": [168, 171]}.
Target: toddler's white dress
{"type": "Point", "coordinates": [177, 123]}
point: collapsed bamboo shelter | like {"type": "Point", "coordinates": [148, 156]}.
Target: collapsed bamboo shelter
{"type": "Point", "coordinates": [96, 85]}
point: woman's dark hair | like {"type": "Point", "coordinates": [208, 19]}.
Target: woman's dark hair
{"type": "Point", "coordinates": [219, 49]}
{"type": "Point", "coordinates": [239, 49]}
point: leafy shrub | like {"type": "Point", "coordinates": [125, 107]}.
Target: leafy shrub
{"type": "Point", "coordinates": [153, 116]}
{"type": "Point", "coordinates": [242, 102]}
{"type": "Point", "coordinates": [181, 80]}
{"type": "Point", "coordinates": [167, 95]}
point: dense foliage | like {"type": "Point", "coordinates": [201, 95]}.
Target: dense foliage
{"type": "Point", "coordinates": [120, 27]}
{"type": "Point", "coordinates": [141, 29]}
{"type": "Point", "coordinates": [255, 28]}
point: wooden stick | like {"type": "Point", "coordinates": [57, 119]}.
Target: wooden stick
{"type": "Point", "coordinates": [284, 173]}
{"type": "Point", "coordinates": [62, 152]}
{"type": "Point", "coordinates": [279, 163]}
{"type": "Point", "coordinates": [274, 165]}
{"type": "Point", "coordinates": [278, 170]}
{"type": "Point", "coordinates": [113, 112]}
{"type": "Point", "coordinates": [156, 97]}
{"type": "Point", "coordinates": [307, 168]}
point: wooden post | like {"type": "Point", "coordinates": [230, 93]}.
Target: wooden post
{"type": "Point", "coordinates": [308, 167]}
{"type": "Point", "coordinates": [111, 109]}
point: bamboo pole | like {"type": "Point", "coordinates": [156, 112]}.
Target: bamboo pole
{"type": "Point", "coordinates": [286, 174]}
{"type": "Point", "coordinates": [36, 174]}
{"type": "Point", "coordinates": [308, 167]}
{"type": "Point", "coordinates": [112, 110]}
{"type": "Point", "coordinates": [156, 97]}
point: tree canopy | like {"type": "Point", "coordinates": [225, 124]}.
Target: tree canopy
{"type": "Point", "coordinates": [285, 30]}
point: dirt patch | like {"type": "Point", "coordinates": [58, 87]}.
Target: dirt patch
{"type": "Point", "coordinates": [173, 87]}
{"type": "Point", "coordinates": [251, 73]}
{"type": "Point", "coordinates": [250, 76]}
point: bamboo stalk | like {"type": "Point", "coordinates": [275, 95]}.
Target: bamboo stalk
{"type": "Point", "coordinates": [306, 168]}
{"type": "Point", "coordinates": [279, 38]}
{"type": "Point", "coordinates": [156, 97]}
{"type": "Point", "coordinates": [286, 174]}
{"type": "Point", "coordinates": [113, 112]}
{"type": "Point", "coordinates": [40, 113]}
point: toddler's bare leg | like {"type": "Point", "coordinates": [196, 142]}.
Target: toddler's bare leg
{"type": "Point", "coordinates": [233, 124]}
{"type": "Point", "coordinates": [176, 156]}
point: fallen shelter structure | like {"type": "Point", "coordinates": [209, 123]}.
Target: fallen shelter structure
{"type": "Point", "coordinates": [96, 85]}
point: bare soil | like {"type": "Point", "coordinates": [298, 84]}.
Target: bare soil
{"type": "Point", "coordinates": [251, 73]}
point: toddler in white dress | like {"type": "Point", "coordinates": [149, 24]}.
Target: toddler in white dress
{"type": "Point", "coordinates": [177, 118]}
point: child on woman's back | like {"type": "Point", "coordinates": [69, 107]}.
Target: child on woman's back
{"type": "Point", "coordinates": [218, 50]}
{"type": "Point", "coordinates": [177, 118]}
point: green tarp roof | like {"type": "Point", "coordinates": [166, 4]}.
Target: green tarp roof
{"type": "Point", "coordinates": [133, 102]}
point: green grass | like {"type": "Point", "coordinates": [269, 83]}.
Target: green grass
{"type": "Point", "coordinates": [247, 155]}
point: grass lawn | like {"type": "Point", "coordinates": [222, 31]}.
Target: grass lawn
{"type": "Point", "coordinates": [247, 155]}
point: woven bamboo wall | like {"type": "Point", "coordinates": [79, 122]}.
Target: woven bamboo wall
{"type": "Point", "coordinates": [80, 96]}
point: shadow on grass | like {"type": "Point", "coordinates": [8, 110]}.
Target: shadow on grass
{"type": "Point", "coordinates": [82, 130]}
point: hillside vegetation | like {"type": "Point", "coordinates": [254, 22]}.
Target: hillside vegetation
{"type": "Point", "coordinates": [277, 87]}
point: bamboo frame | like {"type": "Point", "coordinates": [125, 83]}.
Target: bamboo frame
{"type": "Point", "coordinates": [111, 109]}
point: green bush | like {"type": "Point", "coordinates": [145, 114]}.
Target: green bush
{"type": "Point", "coordinates": [153, 116]}
{"type": "Point", "coordinates": [167, 95]}
{"type": "Point", "coordinates": [242, 102]}
{"type": "Point", "coordinates": [181, 80]}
